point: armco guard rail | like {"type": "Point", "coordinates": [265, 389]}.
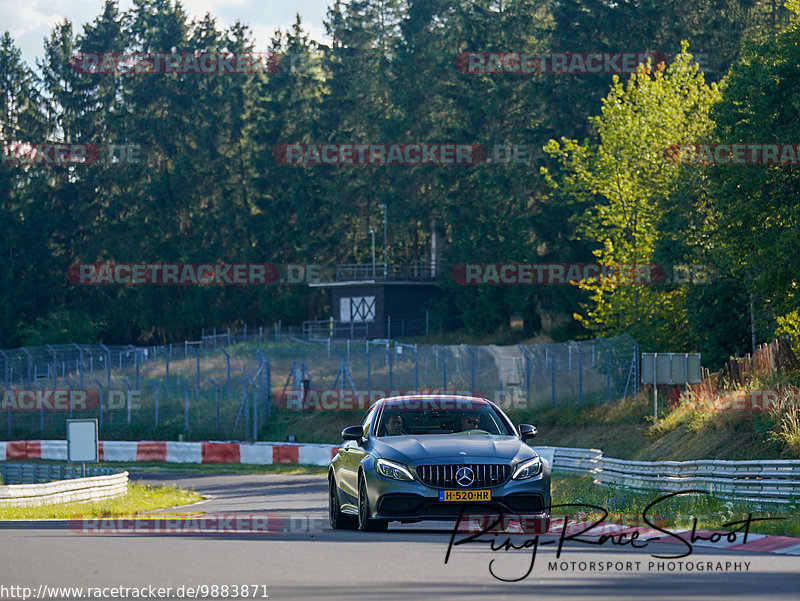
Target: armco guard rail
{"type": "Point", "coordinates": [774, 481]}
{"type": "Point", "coordinates": [96, 487]}
{"type": "Point", "coordinates": [30, 473]}
{"type": "Point", "coordinates": [574, 461]}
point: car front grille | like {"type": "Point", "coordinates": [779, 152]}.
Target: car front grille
{"type": "Point", "coordinates": [444, 476]}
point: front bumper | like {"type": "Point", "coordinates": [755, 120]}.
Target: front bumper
{"type": "Point", "coordinates": [412, 501]}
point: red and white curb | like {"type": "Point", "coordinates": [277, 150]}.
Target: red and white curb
{"type": "Point", "coordinates": [256, 453]}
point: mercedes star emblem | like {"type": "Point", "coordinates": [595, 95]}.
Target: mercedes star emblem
{"type": "Point", "coordinates": [465, 477]}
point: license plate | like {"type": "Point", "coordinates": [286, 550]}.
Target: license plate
{"type": "Point", "coordinates": [465, 496]}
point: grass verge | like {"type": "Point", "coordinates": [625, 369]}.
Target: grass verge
{"type": "Point", "coordinates": [139, 499]}
{"type": "Point", "coordinates": [626, 507]}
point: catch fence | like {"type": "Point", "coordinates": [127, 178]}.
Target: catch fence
{"type": "Point", "coordinates": [227, 385]}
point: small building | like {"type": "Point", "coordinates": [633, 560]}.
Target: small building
{"type": "Point", "coordinates": [378, 301]}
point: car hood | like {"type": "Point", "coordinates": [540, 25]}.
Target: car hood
{"type": "Point", "coordinates": [412, 449]}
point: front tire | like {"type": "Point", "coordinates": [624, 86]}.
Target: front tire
{"type": "Point", "coordinates": [337, 519]}
{"type": "Point", "coordinates": [366, 523]}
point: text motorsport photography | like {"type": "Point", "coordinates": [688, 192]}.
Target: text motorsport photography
{"type": "Point", "coordinates": [595, 533]}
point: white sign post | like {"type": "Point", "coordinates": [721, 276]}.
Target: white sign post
{"type": "Point", "coordinates": [82, 442]}
{"type": "Point", "coordinates": [669, 368]}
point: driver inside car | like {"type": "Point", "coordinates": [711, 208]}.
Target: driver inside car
{"type": "Point", "coordinates": [394, 425]}
{"type": "Point", "coordinates": [470, 421]}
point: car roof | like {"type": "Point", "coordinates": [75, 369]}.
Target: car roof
{"type": "Point", "coordinates": [414, 397]}
{"type": "Point", "coordinates": [421, 402]}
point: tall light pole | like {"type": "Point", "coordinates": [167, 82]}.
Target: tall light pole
{"type": "Point", "coordinates": [372, 233]}
{"type": "Point", "coordinates": [385, 261]}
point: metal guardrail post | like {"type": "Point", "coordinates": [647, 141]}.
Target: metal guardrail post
{"type": "Point", "coordinates": [369, 365]}
{"type": "Point", "coordinates": [41, 414]}
{"type": "Point", "coordinates": [244, 407]}
{"type": "Point", "coordinates": [8, 412]}
{"type": "Point", "coordinates": [391, 368]}
{"type": "Point", "coordinates": [580, 376]}
{"type": "Point", "coordinates": [526, 361]}
{"type": "Point", "coordinates": [255, 409]}
{"type": "Point", "coordinates": [266, 380]}
{"type": "Point", "coordinates": [552, 379]}
{"type": "Point", "coordinates": [128, 400]}
{"type": "Point", "coordinates": [196, 375]}
{"type": "Point", "coordinates": [108, 364]}
{"type": "Point", "coordinates": [55, 364]}
{"type": "Point", "coordinates": [80, 364]}
{"type": "Point", "coordinates": [228, 369]}
{"type": "Point", "coordinates": [100, 407]}
{"type": "Point", "coordinates": [135, 363]}
{"type": "Point", "coordinates": [416, 368]}
{"type": "Point", "coordinates": [472, 368]}
{"type": "Point", "coordinates": [167, 358]}
{"type": "Point", "coordinates": [216, 415]}
{"type": "Point", "coordinates": [607, 351]}
{"type": "Point", "coordinates": [5, 369]}
{"type": "Point", "coordinates": [71, 401]}
{"type": "Point", "coordinates": [30, 363]}
{"type": "Point", "coordinates": [185, 406]}
{"type": "Point", "coordinates": [444, 369]}
{"type": "Point", "coordinates": [155, 390]}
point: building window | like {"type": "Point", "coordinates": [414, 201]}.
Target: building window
{"type": "Point", "coordinates": [356, 309]}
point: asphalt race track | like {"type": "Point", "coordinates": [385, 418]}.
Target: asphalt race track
{"type": "Point", "coordinates": [311, 561]}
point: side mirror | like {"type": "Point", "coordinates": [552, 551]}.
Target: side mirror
{"type": "Point", "coordinates": [353, 433]}
{"type": "Point", "coordinates": [527, 431]}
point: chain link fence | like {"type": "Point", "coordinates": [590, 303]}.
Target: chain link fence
{"type": "Point", "coordinates": [227, 384]}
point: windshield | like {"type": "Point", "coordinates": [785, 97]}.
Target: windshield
{"type": "Point", "coordinates": [441, 416]}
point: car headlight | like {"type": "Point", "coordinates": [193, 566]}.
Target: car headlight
{"type": "Point", "coordinates": [393, 470]}
{"type": "Point", "coordinates": [528, 469]}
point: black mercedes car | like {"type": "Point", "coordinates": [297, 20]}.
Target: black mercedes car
{"type": "Point", "coordinates": [428, 457]}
